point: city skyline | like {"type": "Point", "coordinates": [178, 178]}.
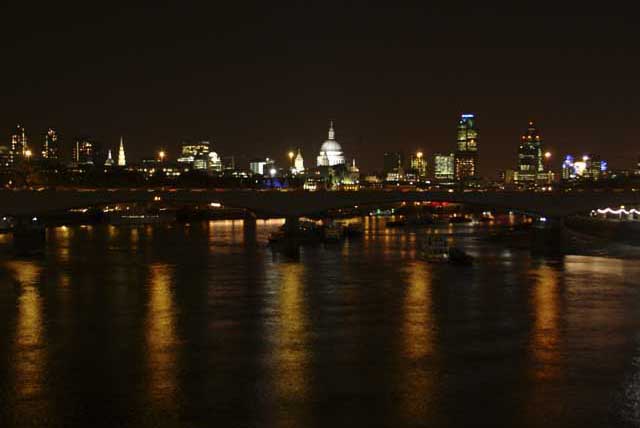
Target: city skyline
{"type": "Point", "coordinates": [65, 150]}
{"type": "Point", "coordinates": [388, 76]}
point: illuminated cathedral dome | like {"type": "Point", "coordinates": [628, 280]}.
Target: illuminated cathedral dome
{"type": "Point", "coordinates": [330, 153]}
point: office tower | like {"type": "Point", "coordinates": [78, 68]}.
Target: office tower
{"type": "Point", "coordinates": [196, 155]}
{"type": "Point", "coordinates": [418, 163]}
{"type": "Point", "coordinates": [444, 167]}
{"type": "Point", "coordinates": [466, 157]}
{"type": "Point", "coordinates": [50, 148]}
{"type": "Point", "coordinates": [19, 145]}
{"type": "Point", "coordinates": [84, 151]}
{"type": "Point", "coordinates": [392, 162]}
{"type": "Point", "coordinates": [530, 156]}
{"type": "Point", "coordinates": [467, 133]}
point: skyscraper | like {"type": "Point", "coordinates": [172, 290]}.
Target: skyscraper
{"type": "Point", "coordinates": [50, 148]}
{"type": "Point", "coordinates": [122, 160]}
{"type": "Point", "coordinates": [392, 162]}
{"type": "Point", "coordinates": [418, 165]}
{"type": "Point", "coordinates": [19, 145]}
{"type": "Point", "coordinates": [444, 167]}
{"type": "Point", "coordinates": [467, 133]}
{"type": "Point", "coordinates": [466, 157]}
{"type": "Point", "coordinates": [83, 151]}
{"type": "Point", "coordinates": [530, 157]}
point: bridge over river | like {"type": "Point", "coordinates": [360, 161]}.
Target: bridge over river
{"type": "Point", "coordinates": [292, 204]}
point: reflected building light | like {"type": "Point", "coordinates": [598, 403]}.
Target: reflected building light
{"type": "Point", "coordinates": [418, 338]}
{"type": "Point", "coordinates": [161, 337]}
{"type": "Point", "coordinates": [29, 354]}
{"type": "Point", "coordinates": [546, 332]}
{"type": "Point", "coordinates": [291, 344]}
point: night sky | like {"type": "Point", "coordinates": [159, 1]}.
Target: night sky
{"type": "Point", "coordinates": [258, 81]}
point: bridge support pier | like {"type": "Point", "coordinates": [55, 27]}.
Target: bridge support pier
{"type": "Point", "coordinates": [291, 243]}
{"type": "Point", "coordinates": [291, 226]}
{"type": "Point", "coordinates": [249, 226]}
{"type": "Point", "coordinates": [550, 238]}
{"type": "Point", "coordinates": [29, 236]}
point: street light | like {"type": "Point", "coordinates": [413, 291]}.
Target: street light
{"type": "Point", "coordinates": [161, 155]}
{"type": "Point", "coordinates": [28, 153]}
{"type": "Point", "coordinates": [419, 154]}
{"type": "Point", "coordinates": [291, 155]}
{"type": "Point", "coordinates": [547, 155]}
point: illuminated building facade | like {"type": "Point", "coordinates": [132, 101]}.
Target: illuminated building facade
{"type": "Point", "coordinates": [530, 157]}
{"type": "Point", "coordinates": [214, 162]}
{"type": "Point", "coordinates": [19, 145]}
{"type": "Point", "coordinates": [465, 166]}
{"type": "Point", "coordinates": [4, 157]}
{"type": "Point", "coordinates": [589, 167]}
{"type": "Point", "coordinates": [262, 166]}
{"type": "Point", "coordinates": [444, 167]}
{"type": "Point", "coordinates": [298, 162]}
{"type": "Point", "coordinates": [418, 164]}
{"type": "Point", "coordinates": [201, 158]}
{"type": "Point", "coordinates": [84, 151]}
{"type": "Point", "coordinates": [467, 133]}
{"type": "Point", "coordinates": [122, 160]}
{"type": "Point", "coordinates": [50, 148]}
{"type": "Point", "coordinates": [466, 156]}
{"type": "Point", "coordinates": [330, 152]}
{"type": "Point", "coordinates": [109, 161]}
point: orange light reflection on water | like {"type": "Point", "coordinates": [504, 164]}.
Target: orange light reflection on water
{"type": "Point", "coordinates": [418, 331]}
{"type": "Point", "coordinates": [29, 351]}
{"type": "Point", "coordinates": [161, 337]}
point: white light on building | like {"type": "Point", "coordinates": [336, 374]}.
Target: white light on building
{"type": "Point", "coordinates": [122, 160]}
{"type": "Point", "coordinates": [331, 152]}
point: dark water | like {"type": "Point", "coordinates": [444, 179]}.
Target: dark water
{"type": "Point", "coordinates": [203, 325]}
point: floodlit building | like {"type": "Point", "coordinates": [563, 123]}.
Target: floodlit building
{"type": "Point", "coordinates": [330, 152]}
{"type": "Point", "coordinates": [200, 157]}
{"type": "Point", "coordinates": [466, 156]}
{"type": "Point", "coordinates": [262, 166]}
{"type": "Point", "coordinates": [530, 157]}
{"type": "Point", "coordinates": [122, 160]}
{"type": "Point", "coordinates": [467, 137]}
{"type": "Point", "coordinates": [590, 167]}
{"type": "Point", "coordinates": [418, 164]}
{"type": "Point", "coordinates": [444, 167]}
{"type": "Point", "coordinates": [298, 162]}
{"type": "Point", "coordinates": [109, 161]}
{"type": "Point", "coordinates": [214, 162]}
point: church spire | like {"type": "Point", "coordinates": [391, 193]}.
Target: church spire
{"type": "Point", "coordinates": [332, 133]}
{"type": "Point", "coordinates": [109, 161]}
{"type": "Point", "coordinates": [122, 161]}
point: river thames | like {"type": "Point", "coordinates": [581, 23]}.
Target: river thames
{"type": "Point", "coordinates": [203, 324]}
